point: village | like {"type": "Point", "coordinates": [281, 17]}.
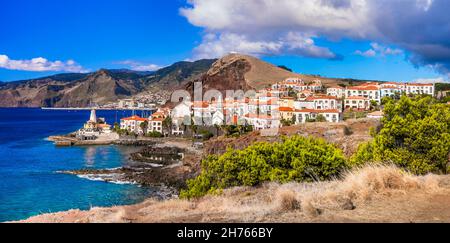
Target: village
{"type": "Point", "coordinates": [289, 102]}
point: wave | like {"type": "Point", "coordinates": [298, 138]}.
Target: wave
{"type": "Point", "coordinates": [114, 178]}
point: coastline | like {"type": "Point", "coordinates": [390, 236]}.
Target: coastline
{"type": "Point", "coordinates": [401, 198]}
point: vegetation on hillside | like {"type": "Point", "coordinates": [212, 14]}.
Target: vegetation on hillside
{"type": "Point", "coordinates": [414, 134]}
{"type": "Point", "coordinates": [294, 159]}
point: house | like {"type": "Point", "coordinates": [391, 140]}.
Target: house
{"type": "Point", "coordinates": [133, 124]}
{"type": "Point", "coordinates": [370, 91]}
{"type": "Point", "coordinates": [218, 118]}
{"type": "Point", "coordinates": [286, 102]}
{"type": "Point", "coordinates": [316, 86]}
{"type": "Point", "coordinates": [336, 91]}
{"type": "Point", "coordinates": [202, 112]}
{"type": "Point", "coordinates": [357, 103]}
{"type": "Point", "coordinates": [324, 102]}
{"type": "Point", "coordinates": [261, 122]}
{"type": "Point", "coordinates": [304, 94]}
{"type": "Point", "coordinates": [155, 121]}
{"type": "Point", "coordinates": [286, 113]}
{"type": "Point", "coordinates": [416, 88]}
{"type": "Point", "coordinates": [304, 115]}
{"type": "Point", "coordinates": [390, 89]}
{"type": "Point", "coordinates": [181, 115]}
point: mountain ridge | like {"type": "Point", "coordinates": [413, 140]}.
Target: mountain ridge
{"type": "Point", "coordinates": [231, 72]}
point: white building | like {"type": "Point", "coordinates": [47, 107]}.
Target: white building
{"type": "Point", "coordinates": [133, 124]}
{"type": "Point", "coordinates": [357, 103]}
{"type": "Point", "coordinates": [390, 89]}
{"type": "Point", "coordinates": [324, 102]}
{"type": "Point", "coordinates": [371, 91]}
{"type": "Point", "coordinates": [261, 122]}
{"type": "Point", "coordinates": [336, 91]}
{"type": "Point", "coordinates": [181, 115]}
{"type": "Point", "coordinates": [331, 115]}
{"type": "Point", "coordinates": [416, 88]}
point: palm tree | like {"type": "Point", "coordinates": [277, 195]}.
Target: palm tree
{"type": "Point", "coordinates": [144, 127]}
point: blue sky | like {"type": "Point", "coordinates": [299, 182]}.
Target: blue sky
{"type": "Point", "coordinates": [40, 38]}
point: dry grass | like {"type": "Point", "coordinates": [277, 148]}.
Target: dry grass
{"type": "Point", "coordinates": [272, 202]}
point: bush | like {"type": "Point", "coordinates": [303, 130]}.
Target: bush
{"type": "Point", "coordinates": [206, 135]}
{"type": "Point", "coordinates": [154, 134]}
{"type": "Point", "coordinates": [294, 159]}
{"type": "Point", "coordinates": [414, 134]}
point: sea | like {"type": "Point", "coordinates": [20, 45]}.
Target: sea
{"type": "Point", "coordinates": [30, 182]}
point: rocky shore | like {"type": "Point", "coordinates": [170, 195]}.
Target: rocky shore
{"type": "Point", "coordinates": [157, 165]}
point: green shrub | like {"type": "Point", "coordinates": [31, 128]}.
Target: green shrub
{"type": "Point", "coordinates": [154, 134]}
{"type": "Point", "coordinates": [414, 134]}
{"type": "Point", "coordinates": [294, 159]}
{"type": "Point", "coordinates": [206, 134]}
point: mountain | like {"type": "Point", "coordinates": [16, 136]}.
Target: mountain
{"type": "Point", "coordinates": [178, 74]}
{"type": "Point", "coordinates": [242, 72]}
{"type": "Point", "coordinates": [232, 72]}
{"type": "Point", "coordinates": [103, 86]}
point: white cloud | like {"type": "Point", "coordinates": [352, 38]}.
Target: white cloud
{"type": "Point", "coordinates": [266, 27]}
{"type": "Point", "coordinates": [379, 50]}
{"type": "Point", "coordinates": [214, 46]}
{"type": "Point", "coordinates": [424, 4]}
{"type": "Point", "coordinates": [417, 27]}
{"type": "Point", "coordinates": [368, 53]}
{"type": "Point", "coordinates": [301, 15]}
{"type": "Point", "coordinates": [137, 66]}
{"type": "Point", "coordinates": [431, 80]}
{"type": "Point", "coordinates": [40, 64]}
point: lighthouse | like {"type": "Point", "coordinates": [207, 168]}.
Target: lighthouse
{"type": "Point", "coordinates": [93, 116]}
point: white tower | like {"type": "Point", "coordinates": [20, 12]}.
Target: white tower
{"type": "Point", "coordinates": [93, 116]}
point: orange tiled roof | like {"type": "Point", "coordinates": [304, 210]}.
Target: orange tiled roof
{"type": "Point", "coordinates": [364, 88]}
{"type": "Point", "coordinates": [134, 118]}
{"type": "Point", "coordinates": [356, 98]}
{"type": "Point", "coordinates": [267, 117]}
{"type": "Point", "coordinates": [412, 84]}
{"type": "Point", "coordinates": [201, 104]}
{"type": "Point", "coordinates": [321, 97]}
{"type": "Point", "coordinates": [317, 111]}
{"type": "Point", "coordinates": [286, 109]}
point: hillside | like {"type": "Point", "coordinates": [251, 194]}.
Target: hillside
{"type": "Point", "coordinates": [242, 72]}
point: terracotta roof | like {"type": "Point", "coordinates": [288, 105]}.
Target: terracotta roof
{"type": "Point", "coordinates": [134, 118]}
{"type": "Point", "coordinates": [286, 109]}
{"type": "Point", "coordinates": [389, 87]}
{"type": "Point", "coordinates": [368, 87]}
{"type": "Point", "coordinates": [157, 119]}
{"type": "Point", "coordinates": [356, 98]}
{"type": "Point", "coordinates": [266, 117]}
{"type": "Point", "coordinates": [317, 111]}
{"type": "Point", "coordinates": [336, 87]}
{"type": "Point", "coordinates": [321, 97]}
{"type": "Point", "coordinates": [201, 104]}
{"type": "Point", "coordinates": [412, 84]}
{"type": "Point", "coordinates": [156, 114]}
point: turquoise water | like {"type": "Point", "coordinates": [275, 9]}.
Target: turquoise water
{"type": "Point", "coordinates": [29, 184]}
